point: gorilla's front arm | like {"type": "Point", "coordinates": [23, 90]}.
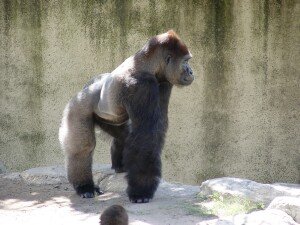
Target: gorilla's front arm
{"type": "Point", "coordinates": [165, 89]}
{"type": "Point", "coordinates": [145, 140]}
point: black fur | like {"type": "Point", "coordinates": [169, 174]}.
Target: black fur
{"type": "Point", "coordinates": [144, 143]}
{"type": "Point", "coordinates": [138, 152]}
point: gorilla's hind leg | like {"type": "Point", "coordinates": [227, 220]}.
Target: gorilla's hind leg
{"type": "Point", "coordinates": [119, 133]}
{"type": "Point", "coordinates": [80, 175]}
{"type": "Point", "coordinates": [117, 155]}
{"type": "Point", "coordinates": [77, 137]}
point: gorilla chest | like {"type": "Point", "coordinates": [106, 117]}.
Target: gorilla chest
{"type": "Point", "coordinates": [111, 114]}
{"type": "Point", "coordinates": [109, 107]}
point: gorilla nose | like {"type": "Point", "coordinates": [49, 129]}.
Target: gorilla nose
{"type": "Point", "coordinates": [190, 71]}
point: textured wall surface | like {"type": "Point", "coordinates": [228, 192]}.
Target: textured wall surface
{"type": "Point", "coordinates": [241, 116]}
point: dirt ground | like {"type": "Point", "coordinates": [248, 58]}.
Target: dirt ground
{"type": "Point", "coordinates": [21, 203]}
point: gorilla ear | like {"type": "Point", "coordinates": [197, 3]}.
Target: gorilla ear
{"type": "Point", "coordinates": [168, 59]}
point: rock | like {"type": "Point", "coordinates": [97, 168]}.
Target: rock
{"type": "Point", "coordinates": [101, 172]}
{"type": "Point", "coordinates": [117, 183]}
{"type": "Point", "coordinates": [290, 205]}
{"type": "Point", "coordinates": [13, 176]}
{"type": "Point", "coordinates": [2, 168]}
{"type": "Point", "coordinates": [265, 217]}
{"type": "Point", "coordinates": [104, 176]}
{"type": "Point", "coordinates": [103, 169]}
{"type": "Point", "coordinates": [113, 183]}
{"type": "Point", "coordinates": [109, 181]}
{"type": "Point", "coordinates": [55, 175]}
{"type": "Point", "coordinates": [45, 175]}
{"type": "Point", "coordinates": [176, 189]}
{"type": "Point", "coordinates": [253, 191]}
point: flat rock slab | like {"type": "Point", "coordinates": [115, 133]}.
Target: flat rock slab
{"type": "Point", "coordinates": [251, 190]}
{"type": "Point", "coordinates": [104, 176]}
{"type": "Point", "coordinates": [49, 185]}
{"type": "Point", "coordinates": [290, 205]}
{"type": "Point", "coordinates": [265, 217]}
{"type": "Point", "coordinates": [55, 175]}
{"type": "Point", "coordinates": [45, 175]}
{"type": "Point", "coordinates": [40, 195]}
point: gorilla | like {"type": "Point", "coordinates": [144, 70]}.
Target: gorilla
{"type": "Point", "coordinates": [114, 215]}
{"type": "Point", "coordinates": [131, 105]}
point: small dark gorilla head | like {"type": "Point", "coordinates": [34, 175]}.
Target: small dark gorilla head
{"type": "Point", "coordinates": [114, 215]}
{"type": "Point", "coordinates": [175, 67]}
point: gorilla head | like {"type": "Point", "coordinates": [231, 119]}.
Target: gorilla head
{"type": "Point", "coordinates": [171, 57]}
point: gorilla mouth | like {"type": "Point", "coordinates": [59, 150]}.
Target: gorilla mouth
{"type": "Point", "coordinates": [187, 78]}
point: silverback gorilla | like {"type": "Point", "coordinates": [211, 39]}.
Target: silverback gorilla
{"type": "Point", "coordinates": [131, 105]}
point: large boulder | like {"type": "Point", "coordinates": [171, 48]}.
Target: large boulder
{"type": "Point", "coordinates": [265, 217]}
{"type": "Point", "coordinates": [56, 175]}
{"type": "Point", "coordinates": [112, 182]}
{"type": "Point", "coordinates": [290, 205]}
{"type": "Point", "coordinates": [251, 190]}
{"type": "Point", "coordinates": [45, 175]}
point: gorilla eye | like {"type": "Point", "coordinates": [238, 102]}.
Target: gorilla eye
{"type": "Point", "coordinates": [186, 60]}
{"type": "Point", "coordinates": [168, 59]}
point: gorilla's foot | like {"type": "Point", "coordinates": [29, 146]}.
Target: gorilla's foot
{"type": "Point", "coordinates": [138, 197]}
{"type": "Point", "coordinates": [87, 191]}
{"type": "Point", "coordinates": [141, 192]}
{"type": "Point", "coordinates": [139, 200]}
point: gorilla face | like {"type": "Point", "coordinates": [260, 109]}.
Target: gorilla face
{"type": "Point", "coordinates": [178, 71]}
{"type": "Point", "coordinates": [187, 75]}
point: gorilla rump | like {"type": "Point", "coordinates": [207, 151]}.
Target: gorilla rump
{"type": "Point", "coordinates": [131, 105]}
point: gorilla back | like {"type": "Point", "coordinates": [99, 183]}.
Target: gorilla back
{"type": "Point", "coordinates": [131, 105]}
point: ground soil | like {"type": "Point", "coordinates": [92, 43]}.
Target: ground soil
{"type": "Point", "coordinates": [21, 203]}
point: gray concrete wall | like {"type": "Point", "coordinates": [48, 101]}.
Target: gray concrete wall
{"type": "Point", "coordinates": [241, 117]}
